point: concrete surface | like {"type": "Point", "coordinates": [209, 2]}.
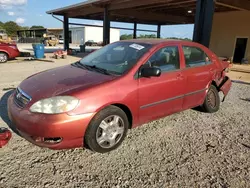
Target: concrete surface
{"type": "Point", "coordinates": [241, 68]}
{"type": "Point", "coordinates": [188, 149]}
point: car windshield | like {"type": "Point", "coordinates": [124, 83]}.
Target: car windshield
{"type": "Point", "coordinates": [117, 58]}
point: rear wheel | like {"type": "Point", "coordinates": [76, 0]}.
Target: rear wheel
{"type": "Point", "coordinates": [3, 57]}
{"type": "Point", "coordinates": [107, 130]}
{"type": "Point", "coordinates": [212, 100]}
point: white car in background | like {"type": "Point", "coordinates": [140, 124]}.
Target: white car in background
{"type": "Point", "coordinates": [61, 40]}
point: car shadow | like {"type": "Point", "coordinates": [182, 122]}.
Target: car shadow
{"type": "Point", "coordinates": [240, 82]}
{"type": "Point", "coordinates": [4, 111]}
{"type": "Point", "coordinates": [248, 100]}
{"type": "Point", "coordinates": [198, 109]}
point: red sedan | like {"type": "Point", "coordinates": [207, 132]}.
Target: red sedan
{"type": "Point", "coordinates": [8, 51]}
{"type": "Point", "coordinates": [93, 102]}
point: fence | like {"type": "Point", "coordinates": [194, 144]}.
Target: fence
{"type": "Point", "coordinates": [30, 40]}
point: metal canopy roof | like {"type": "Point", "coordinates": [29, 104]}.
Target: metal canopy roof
{"type": "Point", "coordinates": [145, 11]}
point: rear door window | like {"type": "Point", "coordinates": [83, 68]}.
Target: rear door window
{"type": "Point", "coordinates": [195, 57]}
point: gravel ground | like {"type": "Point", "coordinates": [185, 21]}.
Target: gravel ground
{"type": "Point", "coordinates": [188, 149]}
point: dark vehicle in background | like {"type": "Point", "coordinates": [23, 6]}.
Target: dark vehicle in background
{"type": "Point", "coordinates": [8, 51]}
{"type": "Point", "coordinates": [91, 43]}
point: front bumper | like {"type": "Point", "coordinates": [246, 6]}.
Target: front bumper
{"type": "Point", "coordinates": [36, 128]}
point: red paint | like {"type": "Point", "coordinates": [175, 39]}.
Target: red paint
{"type": "Point", "coordinates": [5, 136]}
{"type": "Point", "coordinates": [10, 49]}
{"type": "Point", "coordinates": [147, 98]}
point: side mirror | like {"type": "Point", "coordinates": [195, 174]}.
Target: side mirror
{"type": "Point", "coordinates": [150, 72]}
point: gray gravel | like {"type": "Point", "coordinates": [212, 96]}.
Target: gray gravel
{"type": "Point", "coordinates": [188, 149]}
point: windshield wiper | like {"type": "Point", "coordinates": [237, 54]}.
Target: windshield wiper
{"type": "Point", "coordinates": [98, 69]}
{"type": "Point", "coordinates": [78, 64]}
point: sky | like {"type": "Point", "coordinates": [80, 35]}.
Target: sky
{"type": "Point", "coordinates": [33, 12]}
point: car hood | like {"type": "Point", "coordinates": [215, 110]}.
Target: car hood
{"type": "Point", "coordinates": [61, 81]}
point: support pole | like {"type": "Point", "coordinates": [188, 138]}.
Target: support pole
{"type": "Point", "coordinates": [66, 32]}
{"type": "Point", "coordinates": [135, 31]}
{"type": "Point", "coordinates": [106, 27]}
{"type": "Point", "coordinates": [159, 31]}
{"type": "Point", "coordinates": [203, 21]}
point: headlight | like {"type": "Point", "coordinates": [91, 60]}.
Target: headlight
{"type": "Point", "coordinates": [55, 105]}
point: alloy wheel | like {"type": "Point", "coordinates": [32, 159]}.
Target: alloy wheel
{"type": "Point", "coordinates": [110, 131]}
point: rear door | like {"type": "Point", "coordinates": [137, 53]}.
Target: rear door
{"type": "Point", "coordinates": [160, 96]}
{"type": "Point", "coordinates": [199, 72]}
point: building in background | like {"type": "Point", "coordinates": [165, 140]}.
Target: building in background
{"type": "Point", "coordinates": [35, 35]}
{"type": "Point", "coordinates": [230, 35]}
{"type": "Point", "coordinates": [80, 35]}
{"type": "Point", "coordinates": [77, 35]}
{"type": "Point", "coordinates": [222, 25]}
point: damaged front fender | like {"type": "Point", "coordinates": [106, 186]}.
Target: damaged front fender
{"type": "Point", "coordinates": [225, 86]}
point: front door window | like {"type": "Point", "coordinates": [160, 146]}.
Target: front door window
{"type": "Point", "coordinates": [167, 59]}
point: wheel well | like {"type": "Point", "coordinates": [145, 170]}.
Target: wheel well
{"type": "Point", "coordinates": [214, 84]}
{"type": "Point", "coordinates": [127, 112]}
{"type": "Point", "coordinates": [5, 53]}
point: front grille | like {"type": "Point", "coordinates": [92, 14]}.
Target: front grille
{"type": "Point", "coordinates": [21, 98]}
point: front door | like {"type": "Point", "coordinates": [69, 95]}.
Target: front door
{"type": "Point", "coordinates": [160, 96]}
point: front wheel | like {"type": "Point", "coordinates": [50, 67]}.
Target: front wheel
{"type": "Point", "coordinates": [3, 57]}
{"type": "Point", "coordinates": [212, 100]}
{"type": "Point", "coordinates": [107, 130]}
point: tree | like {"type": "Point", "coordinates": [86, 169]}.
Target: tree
{"type": "Point", "coordinates": [126, 37]}
{"type": "Point", "coordinates": [37, 27]}
{"type": "Point", "coordinates": [175, 38]}
{"type": "Point", "coordinates": [25, 28]}
{"type": "Point", "coordinates": [11, 28]}
{"type": "Point", "coordinates": [147, 36]}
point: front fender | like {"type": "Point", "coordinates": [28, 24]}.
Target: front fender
{"type": "Point", "coordinates": [4, 51]}
{"type": "Point", "coordinates": [225, 86]}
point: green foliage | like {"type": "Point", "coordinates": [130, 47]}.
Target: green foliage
{"type": "Point", "coordinates": [126, 37]}
{"type": "Point", "coordinates": [130, 36]}
{"type": "Point", "coordinates": [11, 28]}
{"type": "Point", "coordinates": [147, 36]}
{"type": "Point", "coordinates": [37, 27]}
{"type": "Point", "coordinates": [175, 38]}
{"type": "Point", "coordinates": [1, 25]}
{"type": "Point", "coordinates": [25, 28]}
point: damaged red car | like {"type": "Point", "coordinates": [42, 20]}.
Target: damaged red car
{"type": "Point", "coordinates": [93, 102]}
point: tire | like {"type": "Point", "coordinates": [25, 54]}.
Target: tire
{"type": "Point", "coordinates": [107, 130]}
{"type": "Point", "coordinates": [3, 57]}
{"type": "Point", "coordinates": [212, 100]}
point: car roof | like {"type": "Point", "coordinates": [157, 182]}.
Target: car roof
{"type": "Point", "coordinates": [152, 41]}
{"type": "Point", "coordinates": [155, 42]}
